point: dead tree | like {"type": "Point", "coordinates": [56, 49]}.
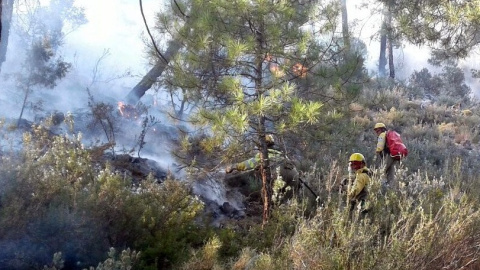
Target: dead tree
{"type": "Point", "coordinates": [156, 71]}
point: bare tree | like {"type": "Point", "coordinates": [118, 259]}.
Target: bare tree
{"type": "Point", "coordinates": [156, 71]}
{"type": "Point", "coordinates": [163, 59]}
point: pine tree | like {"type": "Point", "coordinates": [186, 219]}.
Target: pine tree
{"type": "Point", "coordinates": [449, 27]}
{"type": "Point", "coordinates": [238, 64]}
{"type": "Point", "coordinates": [41, 29]}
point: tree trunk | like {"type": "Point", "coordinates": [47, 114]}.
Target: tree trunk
{"type": "Point", "coordinates": [6, 11]}
{"type": "Point", "coordinates": [27, 92]}
{"type": "Point", "coordinates": [265, 170]}
{"type": "Point", "coordinates": [156, 71]}
{"type": "Point", "coordinates": [346, 35]}
{"type": "Point", "coordinates": [391, 65]}
{"type": "Point", "coordinates": [181, 110]}
{"type": "Point", "coordinates": [382, 61]}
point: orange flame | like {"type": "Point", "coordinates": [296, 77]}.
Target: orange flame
{"type": "Point", "coordinates": [127, 111]}
{"type": "Point", "coordinates": [299, 70]}
{"type": "Point", "coordinates": [121, 107]}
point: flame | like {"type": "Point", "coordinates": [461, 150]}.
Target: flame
{"type": "Point", "coordinates": [121, 107]}
{"type": "Point", "coordinates": [299, 70]}
{"type": "Point", "coordinates": [268, 57]}
{"type": "Point", "coordinates": [127, 111]}
{"type": "Point", "coordinates": [276, 71]}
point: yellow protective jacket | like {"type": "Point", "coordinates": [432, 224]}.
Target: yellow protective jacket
{"type": "Point", "coordinates": [252, 163]}
{"type": "Point", "coordinates": [358, 191]}
{"type": "Point", "coordinates": [381, 141]}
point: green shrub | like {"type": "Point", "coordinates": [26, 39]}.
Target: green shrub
{"type": "Point", "coordinates": [55, 200]}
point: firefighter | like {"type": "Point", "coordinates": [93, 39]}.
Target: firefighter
{"type": "Point", "coordinates": [279, 164]}
{"type": "Point", "coordinates": [357, 192]}
{"type": "Point", "coordinates": [383, 155]}
{"type": "Point", "coordinates": [252, 163]}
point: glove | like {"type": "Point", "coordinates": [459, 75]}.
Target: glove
{"type": "Point", "coordinates": [229, 169]}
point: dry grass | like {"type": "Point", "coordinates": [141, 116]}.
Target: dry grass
{"type": "Point", "coordinates": [432, 222]}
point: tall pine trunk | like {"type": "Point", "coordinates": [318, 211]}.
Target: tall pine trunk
{"type": "Point", "coordinates": [382, 61]}
{"type": "Point", "coordinates": [346, 35]}
{"type": "Point", "coordinates": [6, 11]}
{"type": "Point", "coordinates": [391, 65]}
{"type": "Point", "coordinates": [265, 170]}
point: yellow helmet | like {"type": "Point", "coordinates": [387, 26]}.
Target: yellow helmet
{"type": "Point", "coordinates": [379, 125]}
{"type": "Point", "coordinates": [269, 139]}
{"type": "Point", "coordinates": [356, 157]}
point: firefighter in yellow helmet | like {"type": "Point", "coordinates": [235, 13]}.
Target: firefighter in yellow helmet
{"type": "Point", "coordinates": [383, 154]}
{"type": "Point", "coordinates": [252, 163]}
{"type": "Point", "coordinates": [357, 192]}
{"type": "Point", "coordinates": [279, 163]}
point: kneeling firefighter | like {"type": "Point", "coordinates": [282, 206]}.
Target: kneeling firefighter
{"type": "Point", "coordinates": [286, 168]}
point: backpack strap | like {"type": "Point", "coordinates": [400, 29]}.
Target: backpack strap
{"type": "Point", "coordinates": [386, 149]}
{"type": "Point", "coordinates": [368, 172]}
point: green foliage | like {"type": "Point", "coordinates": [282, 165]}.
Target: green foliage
{"type": "Point", "coordinates": [236, 67]}
{"type": "Point", "coordinates": [419, 227]}
{"type": "Point", "coordinates": [252, 68]}
{"type": "Point", "coordinates": [206, 258]}
{"type": "Point", "coordinates": [447, 26]}
{"type": "Point", "coordinates": [43, 66]}
{"type": "Point", "coordinates": [104, 117]}
{"type": "Point", "coordinates": [223, 69]}
{"type": "Point", "coordinates": [43, 69]}
{"type": "Point", "coordinates": [123, 261]}
{"type": "Point", "coordinates": [57, 196]}
{"type": "Point", "coordinates": [450, 83]}
{"type": "Point", "coordinates": [429, 223]}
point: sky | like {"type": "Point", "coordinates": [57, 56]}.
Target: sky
{"type": "Point", "coordinates": [116, 26]}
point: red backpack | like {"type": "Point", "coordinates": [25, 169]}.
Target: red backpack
{"type": "Point", "coordinates": [397, 149]}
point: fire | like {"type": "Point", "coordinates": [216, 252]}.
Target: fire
{"type": "Point", "coordinates": [276, 71]}
{"type": "Point", "coordinates": [127, 111]}
{"type": "Point", "coordinates": [268, 57]}
{"type": "Point", "coordinates": [299, 70]}
{"type": "Point", "coordinates": [121, 107]}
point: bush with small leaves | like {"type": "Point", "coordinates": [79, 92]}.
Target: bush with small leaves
{"type": "Point", "coordinates": [56, 200]}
